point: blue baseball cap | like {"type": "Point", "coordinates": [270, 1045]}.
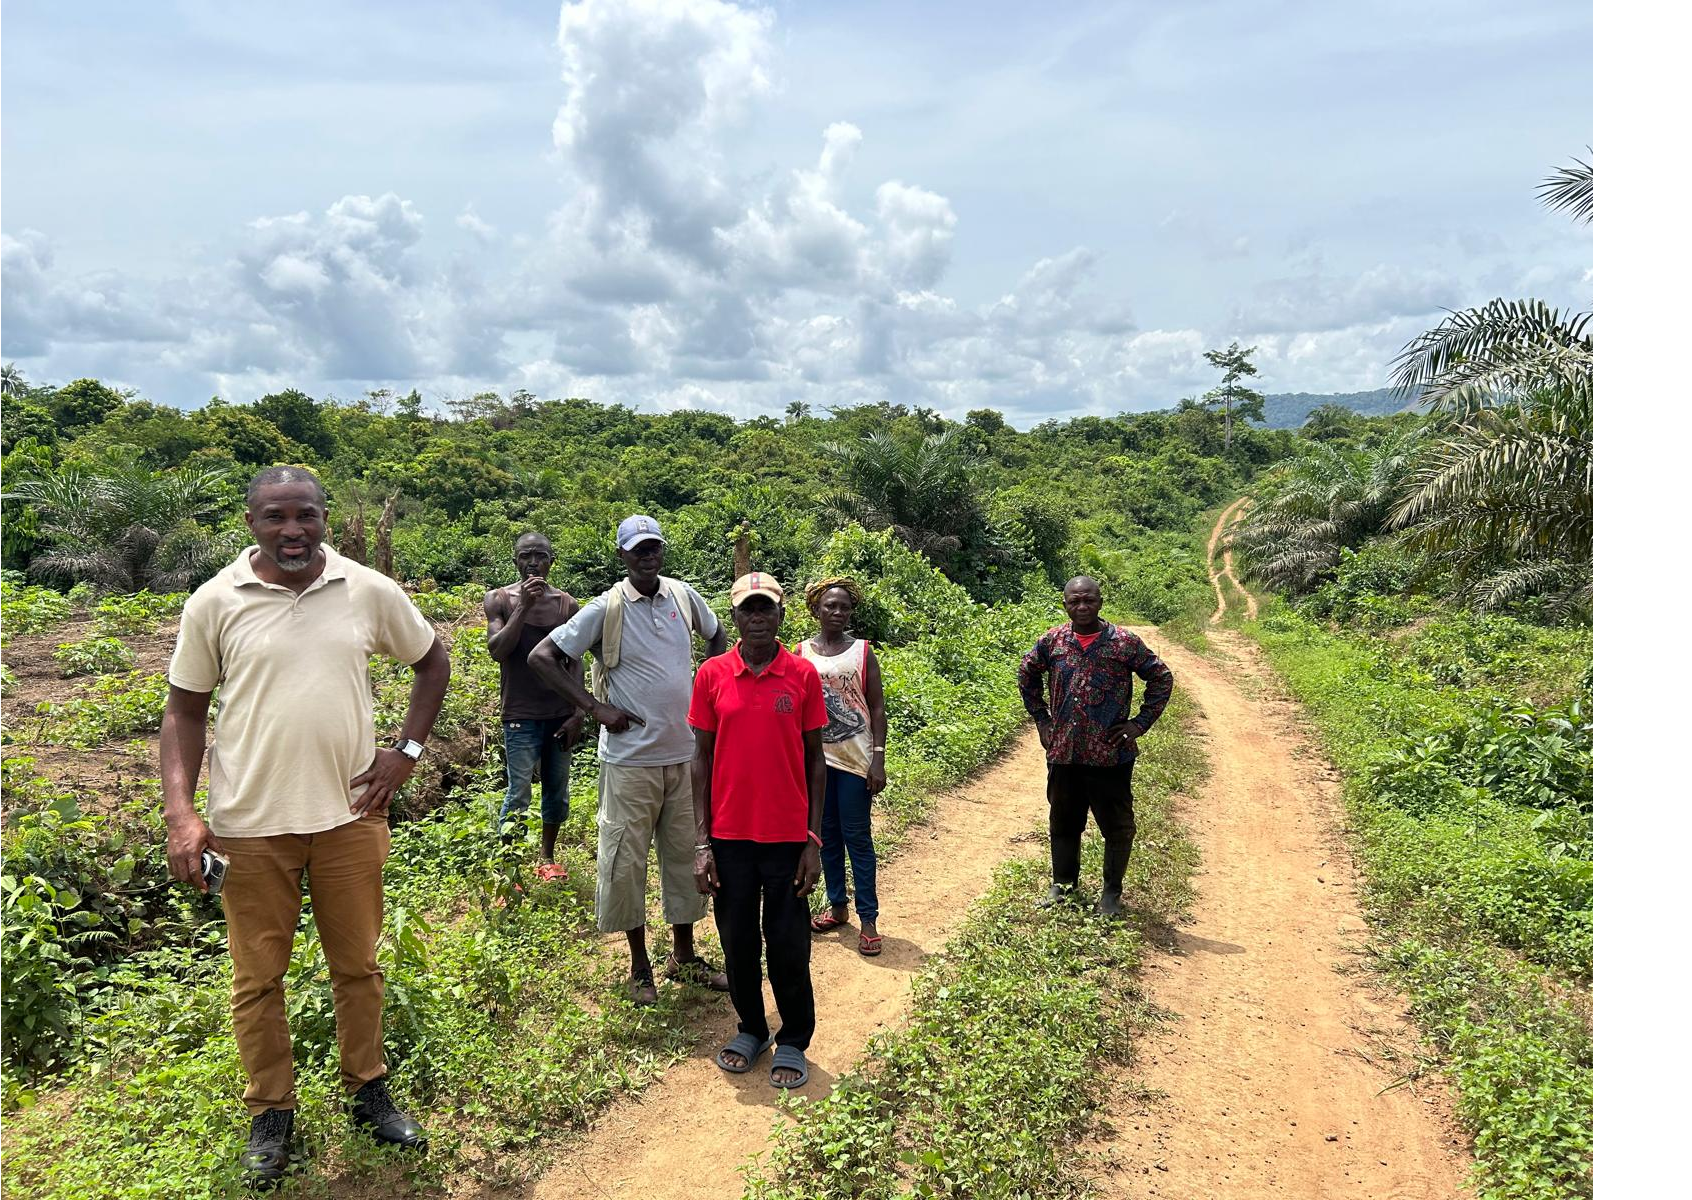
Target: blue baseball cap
{"type": "Point", "coordinates": [637, 529]}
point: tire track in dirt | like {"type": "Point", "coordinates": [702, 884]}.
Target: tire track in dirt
{"type": "Point", "coordinates": [1230, 515]}
{"type": "Point", "coordinates": [687, 1136]}
{"type": "Point", "coordinates": [1273, 1071]}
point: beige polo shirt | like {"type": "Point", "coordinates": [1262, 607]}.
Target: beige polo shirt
{"type": "Point", "coordinates": [295, 718]}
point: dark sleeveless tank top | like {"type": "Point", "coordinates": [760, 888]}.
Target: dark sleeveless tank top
{"type": "Point", "coordinates": [522, 695]}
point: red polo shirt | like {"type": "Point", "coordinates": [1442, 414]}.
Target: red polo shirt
{"type": "Point", "coordinates": [758, 790]}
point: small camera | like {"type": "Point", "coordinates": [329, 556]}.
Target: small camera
{"type": "Point", "coordinates": [213, 866]}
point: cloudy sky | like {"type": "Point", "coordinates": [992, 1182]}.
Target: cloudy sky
{"type": "Point", "coordinates": [1046, 209]}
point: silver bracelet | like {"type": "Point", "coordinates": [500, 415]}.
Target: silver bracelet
{"type": "Point", "coordinates": [706, 846]}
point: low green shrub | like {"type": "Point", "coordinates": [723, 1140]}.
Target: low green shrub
{"type": "Point", "coordinates": [28, 609]}
{"type": "Point", "coordinates": [142, 612]}
{"type": "Point", "coordinates": [1156, 578]}
{"type": "Point", "coordinates": [451, 604]}
{"type": "Point", "coordinates": [93, 656]}
{"type": "Point", "coordinates": [109, 707]}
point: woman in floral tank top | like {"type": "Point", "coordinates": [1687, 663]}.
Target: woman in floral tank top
{"type": "Point", "coordinates": [854, 746]}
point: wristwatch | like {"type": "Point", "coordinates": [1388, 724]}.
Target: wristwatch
{"type": "Point", "coordinates": [412, 750]}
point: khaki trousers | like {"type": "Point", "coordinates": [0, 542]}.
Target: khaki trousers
{"type": "Point", "coordinates": [637, 807]}
{"type": "Point", "coordinates": [261, 903]}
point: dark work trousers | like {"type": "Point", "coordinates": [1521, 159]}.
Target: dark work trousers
{"type": "Point", "coordinates": [756, 879]}
{"type": "Point", "coordinates": [1071, 790]}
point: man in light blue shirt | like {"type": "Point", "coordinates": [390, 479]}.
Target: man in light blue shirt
{"type": "Point", "coordinates": [641, 634]}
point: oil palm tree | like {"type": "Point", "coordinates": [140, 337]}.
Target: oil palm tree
{"type": "Point", "coordinates": [919, 487]}
{"type": "Point", "coordinates": [124, 529]}
{"type": "Point", "coordinates": [1329, 499]}
{"type": "Point", "coordinates": [1504, 494]}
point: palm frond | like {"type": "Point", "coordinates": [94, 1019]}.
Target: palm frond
{"type": "Point", "coordinates": [1481, 357]}
{"type": "Point", "coordinates": [1569, 189]}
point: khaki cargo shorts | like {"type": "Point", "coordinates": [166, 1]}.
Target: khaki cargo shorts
{"type": "Point", "coordinates": [637, 807]}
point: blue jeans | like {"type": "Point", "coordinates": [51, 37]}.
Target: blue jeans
{"type": "Point", "coordinates": [846, 830]}
{"type": "Point", "coordinates": [528, 743]}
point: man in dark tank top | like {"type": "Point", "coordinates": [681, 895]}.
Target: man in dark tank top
{"type": "Point", "coordinates": [540, 725]}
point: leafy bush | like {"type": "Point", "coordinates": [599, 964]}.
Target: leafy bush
{"type": "Point", "coordinates": [1376, 572]}
{"type": "Point", "coordinates": [451, 604]}
{"type": "Point", "coordinates": [905, 597]}
{"type": "Point", "coordinates": [110, 707]}
{"type": "Point", "coordinates": [1156, 577]}
{"type": "Point", "coordinates": [141, 612]}
{"type": "Point", "coordinates": [93, 656]}
{"type": "Point", "coordinates": [80, 890]}
{"type": "Point", "coordinates": [28, 609]}
{"type": "Point", "coordinates": [8, 681]}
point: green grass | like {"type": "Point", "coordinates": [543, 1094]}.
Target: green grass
{"type": "Point", "coordinates": [987, 1089]}
{"type": "Point", "coordinates": [1481, 901]}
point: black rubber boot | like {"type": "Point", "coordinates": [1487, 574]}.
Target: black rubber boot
{"type": "Point", "coordinates": [270, 1142]}
{"type": "Point", "coordinates": [374, 1111]}
{"type": "Point", "coordinates": [1110, 902]}
{"type": "Point", "coordinates": [1061, 893]}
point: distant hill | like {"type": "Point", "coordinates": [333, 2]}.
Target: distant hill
{"type": "Point", "coordinates": [1289, 410]}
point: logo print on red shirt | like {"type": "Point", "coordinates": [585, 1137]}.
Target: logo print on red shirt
{"type": "Point", "coordinates": [784, 703]}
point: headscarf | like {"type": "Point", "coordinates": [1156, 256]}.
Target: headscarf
{"type": "Point", "coordinates": [815, 593]}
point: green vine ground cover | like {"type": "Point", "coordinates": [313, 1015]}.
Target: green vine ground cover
{"type": "Point", "coordinates": [1466, 746]}
{"type": "Point", "coordinates": [988, 1088]}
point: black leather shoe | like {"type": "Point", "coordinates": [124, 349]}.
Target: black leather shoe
{"type": "Point", "coordinates": [1110, 903]}
{"type": "Point", "coordinates": [374, 1111]}
{"type": "Point", "coordinates": [269, 1144]}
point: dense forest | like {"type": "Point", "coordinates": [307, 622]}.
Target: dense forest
{"type": "Point", "coordinates": [1430, 595]}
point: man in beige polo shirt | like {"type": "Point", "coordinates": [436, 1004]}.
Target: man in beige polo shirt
{"type": "Point", "coordinates": [298, 787]}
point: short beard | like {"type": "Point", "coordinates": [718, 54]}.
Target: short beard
{"type": "Point", "coordinates": [292, 565]}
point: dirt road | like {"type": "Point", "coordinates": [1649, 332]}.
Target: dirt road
{"type": "Point", "coordinates": [1273, 1072]}
{"type": "Point", "coordinates": [686, 1137]}
{"type": "Point", "coordinates": [1224, 568]}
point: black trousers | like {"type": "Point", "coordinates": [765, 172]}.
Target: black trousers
{"type": "Point", "coordinates": [755, 879]}
{"type": "Point", "coordinates": [1071, 791]}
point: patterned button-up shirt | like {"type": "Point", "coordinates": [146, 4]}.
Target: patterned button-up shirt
{"type": "Point", "coordinates": [1092, 688]}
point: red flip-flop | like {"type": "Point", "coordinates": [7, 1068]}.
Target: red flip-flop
{"type": "Point", "coordinates": [825, 921]}
{"type": "Point", "coordinates": [547, 872]}
{"type": "Point", "coordinates": [869, 944]}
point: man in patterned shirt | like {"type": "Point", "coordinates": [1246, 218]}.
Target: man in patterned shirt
{"type": "Point", "coordinates": [1091, 741]}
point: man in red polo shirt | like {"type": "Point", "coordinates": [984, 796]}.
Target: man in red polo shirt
{"type": "Point", "coordinates": [758, 782]}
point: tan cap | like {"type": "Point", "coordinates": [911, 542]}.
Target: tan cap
{"type": "Point", "coordinates": [755, 584]}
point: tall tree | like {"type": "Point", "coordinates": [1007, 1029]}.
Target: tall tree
{"type": "Point", "coordinates": [1232, 396]}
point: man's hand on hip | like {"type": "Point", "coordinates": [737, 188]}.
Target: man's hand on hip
{"type": "Point", "coordinates": [185, 840]}
{"type": "Point", "coordinates": [386, 775]}
{"type": "Point", "coordinates": [1124, 735]}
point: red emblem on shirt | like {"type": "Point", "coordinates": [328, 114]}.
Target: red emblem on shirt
{"type": "Point", "coordinates": [784, 703]}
